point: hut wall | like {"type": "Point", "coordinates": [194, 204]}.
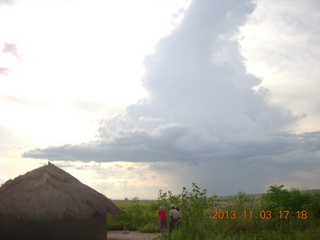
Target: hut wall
{"type": "Point", "coordinates": [67, 229]}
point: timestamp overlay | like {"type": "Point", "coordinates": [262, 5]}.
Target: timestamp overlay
{"type": "Point", "coordinates": [259, 214]}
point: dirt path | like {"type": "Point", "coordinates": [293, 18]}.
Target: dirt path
{"type": "Point", "coordinates": [128, 235]}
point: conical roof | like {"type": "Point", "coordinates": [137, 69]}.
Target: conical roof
{"type": "Point", "coordinates": [48, 193]}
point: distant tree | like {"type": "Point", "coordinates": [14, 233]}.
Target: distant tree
{"type": "Point", "coordinates": [242, 199]}
{"type": "Point", "coordinates": [276, 199]}
{"type": "Point", "coordinates": [279, 199]}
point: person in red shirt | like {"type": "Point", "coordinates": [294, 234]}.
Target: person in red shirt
{"type": "Point", "coordinates": [163, 219]}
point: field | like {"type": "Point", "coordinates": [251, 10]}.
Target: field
{"type": "Point", "coordinates": [128, 203]}
{"type": "Point", "coordinates": [278, 214]}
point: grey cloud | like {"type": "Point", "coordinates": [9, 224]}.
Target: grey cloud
{"type": "Point", "coordinates": [288, 148]}
{"type": "Point", "coordinates": [164, 167]}
{"type": "Point", "coordinates": [137, 146]}
{"type": "Point", "coordinates": [202, 113]}
{"type": "Point", "coordinates": [200, 90]}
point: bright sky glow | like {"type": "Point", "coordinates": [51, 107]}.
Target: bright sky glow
{"type": "Point", "coordinates": [77, 60]}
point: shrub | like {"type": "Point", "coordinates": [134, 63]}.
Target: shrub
{"type": "Point", "coordinates": [133, 217]}
{"type": "Point", "coordinates": [197, 223]}
{"type": "Point", "coordinates": [195, 208]}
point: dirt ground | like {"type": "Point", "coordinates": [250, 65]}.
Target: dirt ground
{"type": "Point", "coordinates": [128, 235]}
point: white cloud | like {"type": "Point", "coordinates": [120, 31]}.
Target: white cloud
{"type": "Point", "coordinates": [205, 115]}
{"type": "Point", "coordinates": [199, 87]}
{"type": "Point", "coordinates": [280, 43]}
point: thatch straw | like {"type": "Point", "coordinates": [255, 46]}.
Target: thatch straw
{"type": "Point", "coordinates": [48, 193]}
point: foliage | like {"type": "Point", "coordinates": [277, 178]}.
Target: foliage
{"type": "Point", "coordinates": [279, 199]}
{"type": "Point", "coordinates": [149, 228]}
{"type": "Point", "coordinates": [242, 200]}
{"type": "Point", "coordinates": [195, 214]}
{"type": "Point", "coordinates": [251, 221]}
{"type": "Point", "coordinates": [276, 198]}
{"type": "Point", "coordinates": [135, 217]}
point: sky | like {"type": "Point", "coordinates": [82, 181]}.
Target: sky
{"type": "Point", "coordinates": [132, 97]}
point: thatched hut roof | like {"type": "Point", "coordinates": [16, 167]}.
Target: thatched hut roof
{"type": "Point", "coordinates": [48, 193]}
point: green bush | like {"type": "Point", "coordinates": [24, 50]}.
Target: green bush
{"type": "Point", "coordinates": [195, 208]}
{"type": "Point", "coordinates": [197, 223]}
{"type": "Point", "coordinates": [133, 217]}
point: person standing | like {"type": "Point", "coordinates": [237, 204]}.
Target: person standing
{"type": "Point", "coordinates": [179, 220]}
{"type": "Point", "coordinates": [174, 216]}
{"type": "Point", "coordinates": [163, 219]}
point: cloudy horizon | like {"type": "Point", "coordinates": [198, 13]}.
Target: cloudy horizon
{"type": "Point", "coordinates": [213, 104]}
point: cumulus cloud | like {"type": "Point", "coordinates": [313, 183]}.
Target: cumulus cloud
{"type": "Point", "coordinates": [280, 43]}
{"type": "Point", "coordinates": [202, 110]}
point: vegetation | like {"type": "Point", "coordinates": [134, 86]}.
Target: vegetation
{"type": "Point", "coordinates": [278, 214]}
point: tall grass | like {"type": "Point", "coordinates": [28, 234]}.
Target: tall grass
{"type": "Point", "coordinates": [250, 222]}
{"type": "Point", "coordinates": [135, 216]}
